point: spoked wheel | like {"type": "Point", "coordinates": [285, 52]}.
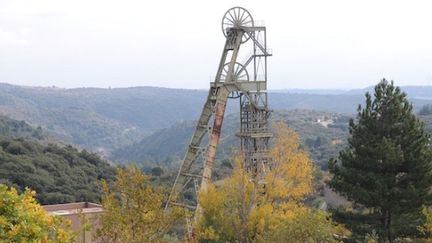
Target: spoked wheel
{"type": "Point", "coordinates": [239, 74]}
{"type": "Point", "coordinates": [237, 17]}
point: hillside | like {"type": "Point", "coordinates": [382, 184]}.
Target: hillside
{"type": "Point", "coordinates": [322, 133]}
{"type": "Point", "coordinates": [99, 119]}
{"type": "Point", "coordinates": [58, 173]}
{"type": "Point", "coordinates": [103, 120]}
{"type": "Point", "coordinates": [15, 129]}
{"type": "Point", "coordinates": [167, 146]}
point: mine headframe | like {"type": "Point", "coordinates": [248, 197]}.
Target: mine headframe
{"type": "Point", "coordinates": [245, 81]}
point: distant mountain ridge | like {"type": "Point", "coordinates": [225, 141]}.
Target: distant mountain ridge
{"type": "Point", "coordinates": [311, 91]}
{"type": "Point", "coordinates": [104, 120]}
{"type": "Point", "coordinates": [416, 92]}
{"type": "Point", "coordinates": [99, 118]}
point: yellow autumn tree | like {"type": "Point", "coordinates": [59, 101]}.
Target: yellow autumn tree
{"type": "Point", "coordinates": [244, 209]}
{"type": "Point", "coordinates": [427, 227]}
{"type": "Point", "coordinates": [22, 219]}
{"type": "Point", "coordinates": [291, 175]}
{"type": "Point", "coordinates": [133, 210]}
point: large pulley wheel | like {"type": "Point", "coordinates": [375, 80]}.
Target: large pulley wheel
{"type": "Point", "coordinates": [239, 74]}
{"type": "Point", "coordinates": [237, 18]}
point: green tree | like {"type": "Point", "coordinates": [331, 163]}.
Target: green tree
{"type": "Point", "coordinates": [156, 171]}
{"type": "Point", "coordinates": [22, 219]}
{"type": "Point", "coordinates": [133, 210]}
{"type": "Point", "coordinates": [386, 167]}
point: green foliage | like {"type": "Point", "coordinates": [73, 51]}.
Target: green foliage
{"type": "Point", "coordinates": [323, 134]}
{"type": "Point", "coordinates": [156, 171]}
{"type": "Point", "coordinates": [372, 237]}
{"type": "Point", "coordinates": [386, 167]}
{"type": "Point", "coordinates": [19, 129]}
{"type": "Point", "coordinates": [59, 174]}
{"type": "Point", "coordinates": [309, 226]}
{"type": "Point", "coordinates": [22, 219]}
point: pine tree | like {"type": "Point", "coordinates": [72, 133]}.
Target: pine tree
{"type": "Point", "coordinates": [386, 168]}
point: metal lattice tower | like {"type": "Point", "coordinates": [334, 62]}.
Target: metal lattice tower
{"type": "Point", "coordinates": [232, 81]}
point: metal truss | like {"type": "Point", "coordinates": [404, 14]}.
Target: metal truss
{"type": "Point", "coordinates": [232, 81]}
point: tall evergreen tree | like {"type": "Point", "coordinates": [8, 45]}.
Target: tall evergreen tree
{"type": "Point", "coordinates": [386, 168]}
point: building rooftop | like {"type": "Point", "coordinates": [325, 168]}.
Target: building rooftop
{"type": "Point", "coordinates": [73, 208]}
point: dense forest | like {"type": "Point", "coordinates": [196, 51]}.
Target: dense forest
{"type": "Point", "coordinates": [19, 129]}
{"type": "Point", "coordinates": [57, 172]}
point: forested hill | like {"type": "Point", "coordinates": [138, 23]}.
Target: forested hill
{"type": "Point", "coordinates": [322, 133]}
{"type": "Point", "coordinates": [58, 173]}
{"type": "Point", "coordinates": [106, 119]}
{"type": "Point", "coordinates": [19, 129]}
{"type": "Point", "coordinates": [99, 118]}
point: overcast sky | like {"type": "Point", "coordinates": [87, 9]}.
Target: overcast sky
{"type": "Point", "coordinates": [316, 44]}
